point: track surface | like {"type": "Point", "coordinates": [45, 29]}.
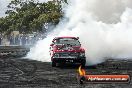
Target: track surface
{"type": "Point", "coordinates": [24, 73]}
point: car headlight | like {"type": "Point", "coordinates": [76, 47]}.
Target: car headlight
{"type": "Point", "coordinates": [82, 54]}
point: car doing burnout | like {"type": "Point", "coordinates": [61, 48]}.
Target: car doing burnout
{"type": "Point", "coordinates": [67, 50]}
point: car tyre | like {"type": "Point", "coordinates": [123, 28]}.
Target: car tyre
{"type": "Point", "coordinates": [83, 63]}
{"type": "Point", "coordinates": [53, 63]}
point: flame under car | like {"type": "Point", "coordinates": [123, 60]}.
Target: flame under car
{"type": "Point", "coordinates": [65, 50]}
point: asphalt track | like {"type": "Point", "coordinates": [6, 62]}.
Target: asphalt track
{"type": "Point", "coordinates": [18, 72]}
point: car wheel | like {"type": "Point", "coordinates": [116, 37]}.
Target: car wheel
{"type": "Point", "coordinates": [83, 63]}
{"type": "Point", "coordinates": [53, 64]}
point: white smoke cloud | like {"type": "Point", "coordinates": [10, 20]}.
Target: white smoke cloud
{"type": "Point", "coordinates": [104, 28]}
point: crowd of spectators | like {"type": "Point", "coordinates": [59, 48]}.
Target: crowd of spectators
{"type": "Point", "coordinates": [20, 39]}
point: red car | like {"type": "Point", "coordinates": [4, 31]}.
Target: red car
{"type": "Point", "coordinates": [67, 50]}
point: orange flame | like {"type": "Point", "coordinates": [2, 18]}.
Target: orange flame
{"type": "Point", "coordinates": [81, 71]}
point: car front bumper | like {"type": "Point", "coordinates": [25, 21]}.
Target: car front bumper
{"type": "Point", "coordinates": [69, 59]}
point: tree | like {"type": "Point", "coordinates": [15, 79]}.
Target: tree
{"type": "Point", "coordinates": [30, 15]}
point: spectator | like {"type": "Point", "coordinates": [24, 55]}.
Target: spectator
{"type": "Point", "coordinates": [17, 40]}
{"type": "Point", "coordinates": [11, 40]}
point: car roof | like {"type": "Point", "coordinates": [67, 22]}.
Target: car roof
{"type": "Point", "coordinates": [66, 37]}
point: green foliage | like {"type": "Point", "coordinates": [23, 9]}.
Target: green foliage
{"type": "Point", "coordinates": [28, 16]}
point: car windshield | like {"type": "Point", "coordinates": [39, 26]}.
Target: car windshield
{"type": "Point", "coordinates": [71, 41]}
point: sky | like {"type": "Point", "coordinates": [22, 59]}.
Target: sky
{"type": "Point", "coordinates": [3, 7]}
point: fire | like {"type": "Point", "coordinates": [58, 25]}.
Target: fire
{"type": "Point", "coordinates": [81, 71]}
